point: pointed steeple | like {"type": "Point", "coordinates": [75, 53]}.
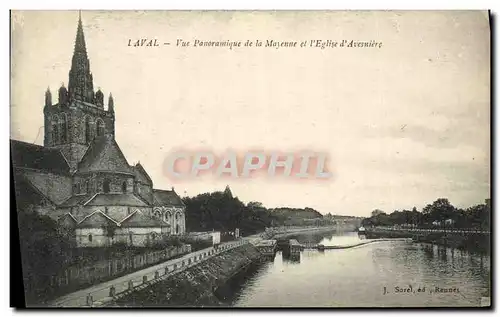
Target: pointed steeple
{"type": "Point", "coordinates": [80, 84]}
{"type": "Point", "coordinates": [111, 103]}
{"type": "Point", "coordinates": [80, 37]}
{"type": "Point", "coordinates": [48, 97]}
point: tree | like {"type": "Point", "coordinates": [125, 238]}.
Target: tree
{"type": "Point", "coordinates": [377, 212]}
{"type": "Point", "coordinates": [255, 205]}
{"type": "Point", "coordinates": [109, 230]}
{"type": "Point", "coordinates": [44, 253]}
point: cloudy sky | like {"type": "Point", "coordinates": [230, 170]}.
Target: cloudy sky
{"type": "Point", "coordinates": [402, 125]}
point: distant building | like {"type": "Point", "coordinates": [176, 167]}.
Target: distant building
{"type": "Point", "coordinates": [81, 178]}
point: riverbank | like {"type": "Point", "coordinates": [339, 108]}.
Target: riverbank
{"type": "Point", "coordinates": [471, 242]}
{"type": "Point", "coordinates": [197, 286]}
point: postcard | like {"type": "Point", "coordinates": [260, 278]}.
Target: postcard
{"type": "Point", "coordinates": [335, 159]}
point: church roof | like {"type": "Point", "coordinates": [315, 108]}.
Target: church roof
{"type": "Point", "coordinates": [96, 219]}
{"type": "Point", "coordinates": [27, 193]}
{"type": "Point", "coordinates": [146, 197]}
{"type": "Point", "coordinates": [76, 200]}
{"type": "Point", "coordinates": [104, 154]}
{"type": "Point", "coordinates": [37, 157]}
{"type": "Point", "coordinates": [141, 174]}
{"type": "Point", "coordinates": [138, 219]}
{"type": "Point", "coordinates": [118, 199]}
{"type": "Point", "coordinates": [67, 219]}
{"type": "Point", "coordinates": [167, 197]}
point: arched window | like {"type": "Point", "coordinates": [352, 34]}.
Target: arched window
{"type": "Point", "coordinates": [90, 238]}
{"type": "Point", "coordinates": [130, 236]}
{"type": "Point", "coordinates": [177, 229]}
{"type": "Point", "coordinates": [100, 127]}
{"type": "Point", "coordinates": [55, 130]}
{"type": "Point", "coordinates": [168, 217]}
{"type": "Point", "coordinates": [63, 128]}
{"type": "Point", "coordinates": [124, 187]}
{"type": "Point", "coordinates": [106, 186]}
{"type": "Point", "coordinates": [88, 132]}
{"type": "Point", "coordinates": [87, 187]}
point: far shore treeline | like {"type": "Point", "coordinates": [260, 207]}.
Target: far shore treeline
{"type": "Point", "coordinates": [221, 211]}
{"type": "Point", "coordinates": [440, 213]}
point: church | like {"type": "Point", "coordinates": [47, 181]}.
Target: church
{"type": "Point", "coordinates": [81, 178]}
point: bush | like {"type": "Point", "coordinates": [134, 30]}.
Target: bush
{"type": "Point", "coordinates": [165, 242]}
{"type": "Point", "coordinates": [196, 244]}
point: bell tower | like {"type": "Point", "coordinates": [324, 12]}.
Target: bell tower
{"type": "Point", "coordinates": [78, 118]}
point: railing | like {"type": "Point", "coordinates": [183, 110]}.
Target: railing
{"type": "Point", "coordinates": [112, 290]}
{"type": "Point", "coordinates": [448, 230]}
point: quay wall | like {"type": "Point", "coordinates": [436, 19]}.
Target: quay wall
{"type": "Point", "coordinates": [473, 242]}
{"type": "Point", "coordinates": [196, 286]}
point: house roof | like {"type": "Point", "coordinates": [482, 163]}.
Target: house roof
{"type": "Point", "coordinates": [166, 197]}
{"type": "Point", "coordinates": [118, 199]}
{"type": "Point", "coordinates": [33, 156]}
{"type": "Point", "coordinates": [104, 154]}
{"type": "Point", "coordinates": [138, 219]}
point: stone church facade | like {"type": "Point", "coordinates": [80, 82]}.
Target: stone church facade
{"type": "Point", "coordinates": [81, 178]}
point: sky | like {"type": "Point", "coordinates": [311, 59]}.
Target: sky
{"type": "Point", "coordinates": [402, 125]}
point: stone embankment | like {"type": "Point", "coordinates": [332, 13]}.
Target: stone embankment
{"type": "Point", "coordinates": [196, 286]}
{"type": "Point", "coordinates": [474, 241]}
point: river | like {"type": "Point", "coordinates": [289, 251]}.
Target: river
{"type": "Point", "coordinates": [359, 277]}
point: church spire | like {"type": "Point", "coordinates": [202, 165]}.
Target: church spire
{"type": "Point", "coordinates": [80, 85]}
{"type": "Point", "coordinates": [80, 37]}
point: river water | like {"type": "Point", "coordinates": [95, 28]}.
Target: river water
{"type": "Point", "coordinates": [359, 277]}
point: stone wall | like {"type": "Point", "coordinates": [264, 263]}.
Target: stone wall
{"type": "Point", "coordinates": [130, 236]}
{"type": "Point", "coordinates": [78, 276]}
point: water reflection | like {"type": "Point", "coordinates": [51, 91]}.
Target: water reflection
{"type": "Point", "coordinates": [356, 277]}
{"type": "Point", "coordinates": [291, 258]}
